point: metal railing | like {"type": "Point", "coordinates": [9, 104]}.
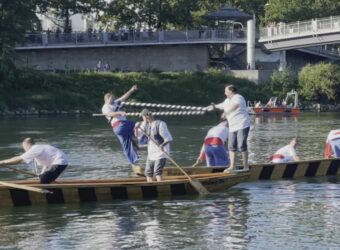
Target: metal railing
{"type": "Point", "coordinates": [47, 39]}
{"type": "Point", "coordinates": [300, 28]}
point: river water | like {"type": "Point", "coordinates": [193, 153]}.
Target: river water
{"type": "Point", "coordinates": [255, 215]}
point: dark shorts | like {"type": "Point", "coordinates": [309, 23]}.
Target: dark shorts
{"type": "Point", "coordinates": [237, 140]}
{"type": "Point", "coordinates": [154, 168]}
{"type": "Point", "coordinates": [52, 173]}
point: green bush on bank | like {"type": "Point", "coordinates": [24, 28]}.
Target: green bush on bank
{"type": "Point", "coordinates": [84, 91]}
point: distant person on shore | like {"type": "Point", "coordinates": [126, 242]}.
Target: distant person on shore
{"type": "Point", "coordinates": [286, 153]}
{"type": "Point", "coordinates": [236, 111]}
{"type": "Point", "coordinates": [158, 131]}
{"type": "Point", "coordinates": [332, 148]}
{"type": "Point", "coordinates": [52, 160]}
{"type": "Point", "coordinates": [122, 128]}
{"type": "Point", "coordinates": [213, 149]}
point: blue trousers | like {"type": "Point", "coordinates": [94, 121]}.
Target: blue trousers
{"type": "Point", "coordinates": [335, 144]}
{"type": "Point", "coordinates": [124, 133]}
{"type": "Point", "coordinates": [216, 155]}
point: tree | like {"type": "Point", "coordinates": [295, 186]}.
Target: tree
{"type": "Point", "coordinates": [295, 10]}
{"type": "Point", "coordinates": [282, 82]}
{"type": "Point", "coordinates": [320, 82]}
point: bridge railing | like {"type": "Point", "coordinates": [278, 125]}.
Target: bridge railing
{"type": "Point", "coordinates": [130, 37]}
{"type": "Point", "coordinates": [300, 28]}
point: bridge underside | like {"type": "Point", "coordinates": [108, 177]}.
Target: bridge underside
{"type": "Point", "coordinates": [301, 42]}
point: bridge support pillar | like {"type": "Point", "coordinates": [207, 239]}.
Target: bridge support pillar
{"type": "Point", "coordinates": [251, 43]}
{"type": "Point", "coordinates": [283, 61]}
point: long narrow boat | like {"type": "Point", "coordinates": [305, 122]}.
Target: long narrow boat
{"type": "Point", "coordinates": [269, 171]}
{"type": "Point", "coordinates": [75, 191]}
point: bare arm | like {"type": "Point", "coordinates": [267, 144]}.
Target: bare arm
{"type": "Point", "coordinates": [296, 158]}
{"type": "Point", "coordinates": [128, 94]}
{"type": "Point", "coordinates": [11, 161]}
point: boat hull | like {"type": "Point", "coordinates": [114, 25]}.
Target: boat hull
{"type": "Point", "coordinates": [276, 110]}
{"type": "Point", "coordinates": [77, 191]}
{"type": "Point", "coordinates": [269, 171]}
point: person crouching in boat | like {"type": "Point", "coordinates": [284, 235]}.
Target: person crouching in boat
{"type": "Point", "coordinates": [154, 131]}
{"type": "Point", "coordinates": [332, 148]}
{"type": "Point", "coordinates": [52, 159]}
{"type": "Point", "coordinates": [286, 153]}
{"type": "Point", "coordinates": [122, 127]}
{"type": "Point", "coordinates": [213, 149]}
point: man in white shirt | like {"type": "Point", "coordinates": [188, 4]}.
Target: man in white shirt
{"type": "Point", "coordinates": [236, 110]}
{"type": "Point", "coordinates": [332, 148]}
{"type": "Point", "coordinates": [286, 153]}
{"type": "Point", "coordinates": [158, 131]}
{"type": "Point", "coordinates": [122, 127]}
{"type": "Point", "coordinates": [52, 159]}
{"type": "Point", "coordinates": [213, 149]}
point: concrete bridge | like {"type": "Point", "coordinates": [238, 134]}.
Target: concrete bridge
{"type": "Point", "coordinates": [168, 50]}
{"type": "Point", "coordinates": [301, 34]}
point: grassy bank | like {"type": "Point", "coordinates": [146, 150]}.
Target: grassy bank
{"type": "Point", "coordinates": [84, 91]}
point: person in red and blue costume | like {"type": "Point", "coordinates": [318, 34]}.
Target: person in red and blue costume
{"type": "Point", "coordinates": [332, 148]}
{"type": "Point", "coordinates": [122, 128]}
{"type": "Point", "coordinates": [213, 149]}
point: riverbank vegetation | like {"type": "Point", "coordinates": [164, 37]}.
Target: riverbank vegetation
{"type": "Point", "coordinates": [34, 90]}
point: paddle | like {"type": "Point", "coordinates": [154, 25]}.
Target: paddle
{"type": "Point", "coordinates": [20, 171]}
{"type": "Point", "coordinates": [195, 183]}
{"type": "Point", "coordinates": [21, 186]}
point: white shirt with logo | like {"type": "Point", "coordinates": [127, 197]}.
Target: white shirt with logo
{"type": "Point", "coordinates": [45, 155]}
{"type": "Point", "coordinates": [219, 131]}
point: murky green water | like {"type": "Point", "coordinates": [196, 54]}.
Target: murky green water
{"type": "Point", "coordinates": [258, 215]}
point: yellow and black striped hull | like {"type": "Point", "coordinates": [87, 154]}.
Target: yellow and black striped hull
{"type": "Point", "coordinates": [77, 191]}
{"type": "Point", "coordinates": [292, 170]}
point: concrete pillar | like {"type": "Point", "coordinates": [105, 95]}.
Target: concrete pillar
{"type": "Point", "coordinates": [251, 43]}
{"type": "Point", "coordinates": [44, 39]}
{"type": "Point", "coordinates": [283, 62]}
{"type": "Point", "coordinates": [105, 37]}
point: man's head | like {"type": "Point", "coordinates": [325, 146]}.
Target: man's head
{"type": "Point", "coordinates": [146, 115]}
{"type": "Point", "coordinates": [27, 143]}
{"type": "Point", "coordinates": [230, 90]}
{"type": "Point", "coordinates": [294, 142]}
{"type": "Point", "coordinates": [109, 97]}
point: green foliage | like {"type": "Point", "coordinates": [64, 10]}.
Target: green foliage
{"type": "Point", "coordinates": [294, 10]}
{"type": "Point", "coordinates": [282, 82]}
{"type": "Point", "coordinates": [320, 82]}
{"type": "Point", "coordinates": [85, 91]}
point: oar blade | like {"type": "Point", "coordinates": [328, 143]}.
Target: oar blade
{"type": "Point", "coordinates": [199, 186]}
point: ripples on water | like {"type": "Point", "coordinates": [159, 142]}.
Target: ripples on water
{"type": "Point", "coordinates": [258, 215]}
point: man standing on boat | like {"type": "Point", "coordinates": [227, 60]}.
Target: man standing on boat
{"type": "Point", "coordinates": [52, 159]}
{"type": "Point", "coordinates": [332, 148]}
{"type": "Point", "coordinates": [122, 127]}
{"type": "Point", "coordinates": [155, 131]}
{"type": "Point", "coordinates": [286, 153]}
{"type": "Point", "coordinates": [236, 111]}
{"type": "Point", "coordinates": [213, 150]}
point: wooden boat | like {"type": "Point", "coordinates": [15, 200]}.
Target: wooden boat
{"type": "Point", "coordinates": [74, 191]}
{"type": "Point", "coordinates": [269, 171]}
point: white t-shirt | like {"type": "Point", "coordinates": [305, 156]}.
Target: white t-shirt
{"type": "Point", "coordinates": [45, 155]}
{"type": "Point", "coordinates": [239, 118]}
{"type": "Point", "coordinates": [112, 108]}
{"type": "Point", "coordinates": [154, 153]}
{"type": "Point", "coordinates": [219, 131]}
{"type": "Point", "coordinates": [333, 134]}
{"type": "Point", "coordinates": [288, 152]}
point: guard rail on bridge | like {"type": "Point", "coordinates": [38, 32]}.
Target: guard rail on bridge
{"type": "Point", "coordinates": [301, 34]}
{"type": "Point", "coordinates": [129, 38]}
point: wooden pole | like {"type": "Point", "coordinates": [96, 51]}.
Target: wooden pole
{"type": "Point", "coordinates": [25, 187]}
